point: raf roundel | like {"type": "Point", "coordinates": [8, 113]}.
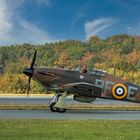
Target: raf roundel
{"type": "Point", "coordinates": [81, 77]}
{"type": "Point", "coordinates": [119, 91]}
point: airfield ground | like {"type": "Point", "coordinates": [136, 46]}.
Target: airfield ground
{"type": "Point", "coordinates": [71, 107]}
{"type": "Point", "coordinates": [35, 101]}
{"type": "Point", "coordinates": [53, 129]}
{"type": "Point", "coordinates": [43, 129]}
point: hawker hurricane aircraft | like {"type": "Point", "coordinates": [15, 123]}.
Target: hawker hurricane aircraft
{"type": "Point", "coordinates": [84, 86]}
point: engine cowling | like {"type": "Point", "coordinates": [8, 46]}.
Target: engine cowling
{"type": "Point", "coordinates": [84, 99]}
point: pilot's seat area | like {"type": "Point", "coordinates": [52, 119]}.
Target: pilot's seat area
{"type": "Point", "coordinates": [84, 70]}
{"type": "Point", "coordinates": [97, 72]}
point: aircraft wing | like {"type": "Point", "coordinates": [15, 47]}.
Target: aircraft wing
{"type": "Point", "coordinates": [83, 89]}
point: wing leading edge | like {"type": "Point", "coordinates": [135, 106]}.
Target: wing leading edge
{"type": "Point", "coordinates": [83, 89]}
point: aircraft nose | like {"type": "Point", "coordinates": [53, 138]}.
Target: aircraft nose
{"type": "Point", "coordinates": [28, 71]}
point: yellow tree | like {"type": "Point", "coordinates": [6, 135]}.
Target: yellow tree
{"type": "Point", "coordinates": [85, 59]}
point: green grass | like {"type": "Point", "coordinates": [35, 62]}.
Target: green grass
{"type": "Point", "coordinates": [133, 107]}
{"type": "Point", "coordinates": [69, 130]}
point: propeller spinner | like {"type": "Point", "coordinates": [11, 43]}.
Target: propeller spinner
{"type": "Point", "coordinates": [29, 72]}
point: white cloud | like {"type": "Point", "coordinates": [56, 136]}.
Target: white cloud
{"type": "Point", "coordinates": [5, 24]}
{"type": "Point", "coordinates": [129, 29]}
{"type": "Point", "coordinates": [98, 25]}
{"type": "Point", "coordinates": [134, 30]}
{"type": "Point", "coordinates": [81, 12]}
{"type": "Point", "coordinates": [29, 33]}
{"type": "Point", "coordinates": [15, 29]}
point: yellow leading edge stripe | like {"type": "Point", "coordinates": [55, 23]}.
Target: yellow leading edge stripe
{"type": "Point", "coordinates": [116, 96]}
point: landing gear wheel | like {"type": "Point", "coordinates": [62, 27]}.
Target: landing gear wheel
{"type": "Point", "coordinates": [53, 108]}
{"type": "Point", "coordinates": [61, 110]}
{"type": "Point", "coordinates": [58, 103]}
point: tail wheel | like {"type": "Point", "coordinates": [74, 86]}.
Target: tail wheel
{"type": "Point", "coordinates": [119, 91]}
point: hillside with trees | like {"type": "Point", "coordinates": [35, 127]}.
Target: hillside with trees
{"type": "Point", "coordinates": [119, 55]}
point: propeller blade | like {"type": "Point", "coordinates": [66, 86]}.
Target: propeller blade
{"type": "Point", "coordinates": [29, 72]}
{"type": "Point", "coordinates": [33, 61]}
{"type": "Point", "coordinates": [28, 86]}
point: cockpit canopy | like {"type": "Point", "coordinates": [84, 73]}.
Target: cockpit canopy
{"type": "Point", "coordinates": [98, 72]}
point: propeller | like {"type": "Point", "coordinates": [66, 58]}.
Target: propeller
{"type": "Point", "coordinates": [29, 72]}
{"type": "Point", "coordinates": [28, 86]}
{"type": "Point", "coordinates": [33, 61]}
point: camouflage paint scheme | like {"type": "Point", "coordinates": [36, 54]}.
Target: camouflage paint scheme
{"type": "Point", "coordinates": [85, 87]}
{"type": "Point", "coordinates": [84, 84]}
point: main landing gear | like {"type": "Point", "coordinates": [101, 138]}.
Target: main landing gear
{"type": "Point", "coordinates": [57, 104]}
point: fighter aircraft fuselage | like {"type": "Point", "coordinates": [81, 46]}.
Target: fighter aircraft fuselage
{"type": "Point", "coordinates": [85, 86]}
{"type": "Point", "coordinates": [56, 79]}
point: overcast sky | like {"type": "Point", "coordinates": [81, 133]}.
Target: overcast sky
{"type": "Point", "coordinates": [40, 21]}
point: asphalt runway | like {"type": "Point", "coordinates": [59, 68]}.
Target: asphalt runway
{"type": "Point", "coordinates": [45, 100]}
{"type": "Point", "coordinates": [70, 114]}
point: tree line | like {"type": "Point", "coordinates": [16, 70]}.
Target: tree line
{"type": "Point", "coordinates": [119, 55]}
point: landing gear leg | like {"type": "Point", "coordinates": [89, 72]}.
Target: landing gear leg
{"type": "Point", "coordinates": [58, 103]}
{"type": "Point", "coordinates": [53, 102]}
{"type": "Point", "coordinates": [52, 107]}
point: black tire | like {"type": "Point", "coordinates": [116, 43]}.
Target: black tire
{"type": "Point", "coordinates": [61, 110]}
{"type": "Point", "coordinates": [53, 108]}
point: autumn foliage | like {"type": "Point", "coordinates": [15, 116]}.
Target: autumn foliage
{"type": "Point", "coordinates": [119, 55]}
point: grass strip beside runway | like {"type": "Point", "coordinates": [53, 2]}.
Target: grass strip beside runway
{"type": "Point", "coordinates": [72, 106]}
{"type": "Point", "coordinates": [43, 129]}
